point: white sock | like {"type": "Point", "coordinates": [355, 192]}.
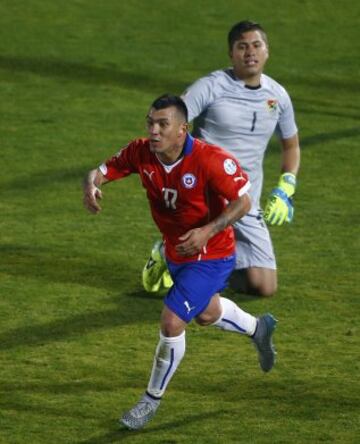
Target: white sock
{"type": "Point", "coordinates": [168, 355]}
{"type": "Point", "coordinates": [234, 319]}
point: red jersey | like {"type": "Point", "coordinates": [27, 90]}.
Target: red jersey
{"type": "Point", "coordinates": [187, 194]}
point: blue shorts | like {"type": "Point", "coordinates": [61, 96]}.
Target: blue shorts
{"type": "Point", "coordinates": [195, 283]}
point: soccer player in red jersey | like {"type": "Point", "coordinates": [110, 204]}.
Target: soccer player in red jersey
{"type": "Point", "coordinates": [196, 191]}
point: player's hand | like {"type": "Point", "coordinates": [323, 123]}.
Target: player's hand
{"type": "Point", "coordinates": [193, 241]}
{"type": "Point", "coordinates": [279, 207]}
{"type": "Point", "coordinates": [91, 195]}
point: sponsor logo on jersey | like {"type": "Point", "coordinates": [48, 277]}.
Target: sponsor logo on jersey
{"type": "Point", "coordinates": [230, 167]}
{"type": "Point", "coordinates": [188, 180]}
{"type": "Point", "coordinates": [272, 104]}
{"type": "Point", "coordinates": [149, 174]}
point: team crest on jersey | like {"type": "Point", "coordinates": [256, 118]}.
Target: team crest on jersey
{"type": "Point", "coordinates": [272, 104]}
{"type": "Point", "coordinates": [188, 180]}
{"type": "Point", "coordinates": [230, 167]}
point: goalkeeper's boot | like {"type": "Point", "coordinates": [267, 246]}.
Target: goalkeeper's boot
{"type": "Point", "coordinates": [262, 340]}
{"type": "Point", "coordinates": [154, 269]}
{"type": "Point", "coordinates": [167, 282]}
{"type": "Point", "coordinates": [141, 413]}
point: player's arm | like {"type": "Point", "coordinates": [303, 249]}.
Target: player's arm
{"type": "Point", "coordinates": [279, 207]}
{"type": "Point", "coordinates": [233, 212]}
{"type": "Point", "coordinates": [91, 188]}
{"type": "Point", "coordinates": [120, 165]}
{"type": "Point", "coordinates": [194, 240]}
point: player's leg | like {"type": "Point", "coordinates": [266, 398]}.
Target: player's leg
{"type": "Point", "coordinates": [226, 315]}
{"type": "Point", "coordinates": [255, 271]}
{"type": "Point", "coordinates": [188, 297]}
{"type": "Point", "coordinates": [180, 307]}
{"type": "Point", "coordinates": [194, 285]}
{"type": "Point", "coordinates": [168, 355]}
{"type": "Point", "coordinates": [155, 273]}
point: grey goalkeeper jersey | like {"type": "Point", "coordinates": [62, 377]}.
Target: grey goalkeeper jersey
{"type": "Point", "coordinates": [240, 119]}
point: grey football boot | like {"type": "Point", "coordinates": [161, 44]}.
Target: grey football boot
{"type": "Point", "coordinates": [262, 340]}
{"type": "Point", "coordinates": [141, 413]}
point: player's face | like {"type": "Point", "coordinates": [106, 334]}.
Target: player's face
{"type": "Point", "coordinates": [249, 55]}
{"type": "Point", "coordinates": [167, 131]}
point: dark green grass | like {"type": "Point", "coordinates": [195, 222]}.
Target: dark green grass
{"type": "Point", "coordinates": [77, 333]}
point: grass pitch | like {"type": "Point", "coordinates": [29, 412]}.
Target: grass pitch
{"type": "Point", "coordinates": [77, 332]}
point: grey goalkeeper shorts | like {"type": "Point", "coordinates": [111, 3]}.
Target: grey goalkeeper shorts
{"type": "Point", "coordinates": [253, 243]}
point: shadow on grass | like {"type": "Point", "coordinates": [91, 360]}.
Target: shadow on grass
{"type": "Point", "coordinates": [122, 434]}
{"type": "Point", "coordinates": [330, 137]}
{"type": "Point", "coordinates": [300, 400]}
{"type": "Point", "coordinates": [64, 265]}
{"type": "Point", "coordinates": [307, 107]}
{"type": "Point", "coordinates": [84, 323]}
{"type": "Point", "coordinates": [46, 410]}
{"type": "Point", "coordinates": [74, 387]}
{"type": "Point", "coordinates": [331, 83]}
{"type": "Point", "coordinates": [85, 73]}
{"type": "Point", "coordinates": [45, 178]}
{"type": "Point", "coordinates": [315, 139]}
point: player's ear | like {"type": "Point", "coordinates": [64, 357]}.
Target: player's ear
{"type": "Point", "coordinates": [183, 128]}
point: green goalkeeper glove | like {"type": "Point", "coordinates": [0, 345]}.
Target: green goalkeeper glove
{"type": "Point", "coordinates": [279, 207]}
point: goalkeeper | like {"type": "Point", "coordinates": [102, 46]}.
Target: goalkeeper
{"type": "Point", "coordinates": [239, 109]}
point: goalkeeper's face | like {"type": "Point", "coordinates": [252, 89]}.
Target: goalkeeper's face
{"type": "Point", "coordinates": [167, 131]}
{"type": "Point", "coordinates": [249, 55]}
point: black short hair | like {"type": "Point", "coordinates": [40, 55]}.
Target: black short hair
{"type": "Point", "coordinates": [245, 26]}
{"type": "Point", "coordinates": [167, 100]}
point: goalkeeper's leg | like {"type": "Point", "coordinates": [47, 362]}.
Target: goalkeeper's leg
{"type": "Point", "coordinates": [254, 281]}
{"type": "Point", "coordinates": [255, 270]}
